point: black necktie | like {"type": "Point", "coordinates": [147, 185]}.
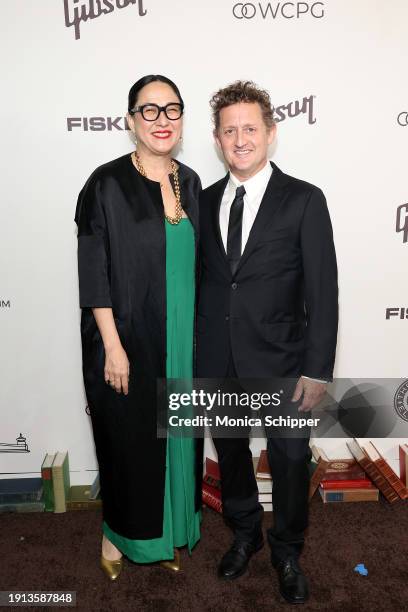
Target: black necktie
{"type": "Point", "coordinates": [234, 240]}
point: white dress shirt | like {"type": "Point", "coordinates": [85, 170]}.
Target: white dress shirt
{"type": "Point", "coordinates": [255, 188]}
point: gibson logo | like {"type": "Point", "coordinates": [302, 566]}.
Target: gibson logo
{"type": "Point", "coordinates": [402, 221]}
{"type": "Point", "coordinates": [298, 107]}
{"type": "Point", "coordinates": [77, 11]}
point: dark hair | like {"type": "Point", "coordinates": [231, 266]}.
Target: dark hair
{"type": "Point", "coordinates": [242, 91]}
{"type": "Point", "coordinates": [150, 78]}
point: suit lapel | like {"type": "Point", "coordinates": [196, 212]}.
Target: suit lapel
{"type": "Point", "coordinates": [269, 205]}
{"type": "Point", "coordinates": [215, 213]}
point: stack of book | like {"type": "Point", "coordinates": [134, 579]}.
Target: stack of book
{"type": "Point", "coordinates": [59, 495]}
{"type": "Point", "coordinates": [340, 479]}
{"type": "Point", "coordinates": [212, 483]}
{"type": "Point", "coordinates": [264, 480]}
{"type": "Point", "coordinates": [378, 470]}
{"type": "Point", "coordinates": [360, 478]}
{"type": "Point", "coordinates": [21, 495]}
{"type": "Point", "coordinates": [50, 493]}
{"type": "Point", "coordinates": [56, 481]}
{"type": "Point", "coordinates": [85, 497]}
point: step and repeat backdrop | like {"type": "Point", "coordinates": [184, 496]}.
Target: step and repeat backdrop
{"type": "Point", "coordinates": [336, 72]}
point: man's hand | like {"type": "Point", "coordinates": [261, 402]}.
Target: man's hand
{"type": "Point", "coordinates": [312, 392]}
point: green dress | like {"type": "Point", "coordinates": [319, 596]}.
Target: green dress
{"type": "Point", "coordinates": [181, 523]}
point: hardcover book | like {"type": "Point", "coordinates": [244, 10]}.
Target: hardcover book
{"type": "Point", "coordinates": [263, 470]}
{"type": "Point", "coordinates": [372, 471]}
{"type": "Point", "coordinates": [360, 483]}
{"type": "Point", "coordinates": [349, 495]}
{"type": "Point", "coordinates": [80, 498]}
{"type": "Point", "coordinates": [212, 497]}
{"type": "Point", "coordinates": [386, 470]}
{"type": "Point", "coordinates": [48, 489]}
{"type": "Point", "coordinates": [212, 473]}
{"type": "Point", "coordinates": [60, 479]}
{"type": "Point", "coordinates": [95, 488]}
{"type": "Point", "coordinates": [322, 463]}
{"type": "Point", "coordinates": [403, 463]}
{"type": "Point", "coordinates": [20, 490]}
{"type": "Point", "coordinates": [33, 506]}
{"type": "Point", "coordinates": [264, 484]}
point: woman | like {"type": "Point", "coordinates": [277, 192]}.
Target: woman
{"type": "Point", "coordinates": [137, 235]}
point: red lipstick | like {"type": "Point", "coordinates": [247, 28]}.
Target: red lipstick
{"type": "Point", "coordinates": [162, 134]}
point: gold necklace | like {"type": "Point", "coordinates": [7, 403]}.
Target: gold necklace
{"type": "Point", "coordinates": [174, 170]}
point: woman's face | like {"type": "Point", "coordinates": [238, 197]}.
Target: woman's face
{"type": "Point", "coordinates": [161, 135]}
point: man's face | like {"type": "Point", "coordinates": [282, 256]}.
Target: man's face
{"type": "Point", "coordinates": [244, 138]}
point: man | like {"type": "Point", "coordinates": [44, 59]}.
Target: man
{"type": "Point", "coordinates": [267, 308]}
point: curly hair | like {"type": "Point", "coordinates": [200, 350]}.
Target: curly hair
{"type": "Point", "coordinates": [242, 91]}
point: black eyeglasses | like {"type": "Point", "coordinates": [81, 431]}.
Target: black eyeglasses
{"type": "Point", "coordinates": [151, 112]}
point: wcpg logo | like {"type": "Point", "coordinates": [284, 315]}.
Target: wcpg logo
{"type": "Point", "coordinates": [79, 11]}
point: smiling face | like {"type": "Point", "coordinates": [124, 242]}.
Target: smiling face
{"type": "Point", "coordinates": [157, 137]}
{"type": "Point", "coordinates": [244, 138]}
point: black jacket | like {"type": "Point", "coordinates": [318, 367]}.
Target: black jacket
{"type": "Point", "coordinates": [278, 314]}
{"type": "Point", "coordinates": [122, 265]}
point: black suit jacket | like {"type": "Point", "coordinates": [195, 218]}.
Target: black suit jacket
{"type": "Point", "coordinates": [278, 313]}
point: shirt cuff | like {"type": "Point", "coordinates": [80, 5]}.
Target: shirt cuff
{"type": "Point", "coordinates": [319, 380]}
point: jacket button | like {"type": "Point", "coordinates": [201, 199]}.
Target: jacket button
{"type": "Point", "coordinates": [227, 317]}
{"type": "Point", "coordinates": [234, 286]}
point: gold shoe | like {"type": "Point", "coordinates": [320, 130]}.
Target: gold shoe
{"type": "Point", "coordinates": [111, 568]}
{"type": "Point", "coordinates": [174, 565]}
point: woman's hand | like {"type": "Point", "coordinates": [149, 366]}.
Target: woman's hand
{"type": "Point", "coordinates": [117, 369]}
{"type": "Point", "coordinates": [116, 362]}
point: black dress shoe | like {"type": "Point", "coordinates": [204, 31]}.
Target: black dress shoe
{"type": "Point", "coordinates": [235, 561]}
{"type": "Point", "coordinates": [293, 584]}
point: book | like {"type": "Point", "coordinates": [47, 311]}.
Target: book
{"type": "Point", "coordinates": [46, 475]}
{"type": "Point", "coordinates": [80, 498]}
{"type": "Point", "coordinates": [264, 484]}
{"type": "Point", "coordinates": [372, 471]}
{"type": "Point", "coordinates": [212, 474]}
{"type": "Point", "coordinates": [95, 488]}
{"type": "Point", "coordinates": [360, 483]}
{"type": "Point", "coordinates": [28, 506]}
{"type": "Point", "coordinates": [349, 495]}
{"type": "Point", "coordinates": [60, 479]}
{"type": "Point", "coordinates": [20, 490]}
{"type": "Point", "coordinates": [386, 470]}
{"type": "Point", "coordinates": [263, 470]}
{"type": "Point", "coordinates": [319, 471]}
{"type": "Point", "coordinates": [403, 463]}
{"type": "Point", "coordinates": [339, 469]}
{"type": "Point", "coordinates": [212, 497]}
{"type": "Point", "coordinates": [267, 506]}
{"type": "Point", "coordinates": [265, 497]}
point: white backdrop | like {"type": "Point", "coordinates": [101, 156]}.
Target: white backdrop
{"type": "Point", "coordinates": [349, 55]}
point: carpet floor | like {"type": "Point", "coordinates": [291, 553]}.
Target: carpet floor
{"type": "Point", "coordinates": [61, 552]}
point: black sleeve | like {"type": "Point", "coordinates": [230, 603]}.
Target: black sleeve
{"type": "Point", "coordinates": [93, 248]}
{"type": "Point", "coordinates": [321, 290]}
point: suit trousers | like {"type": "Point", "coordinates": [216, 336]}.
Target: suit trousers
{"type": "Point", "coordinates": [288, 459]}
